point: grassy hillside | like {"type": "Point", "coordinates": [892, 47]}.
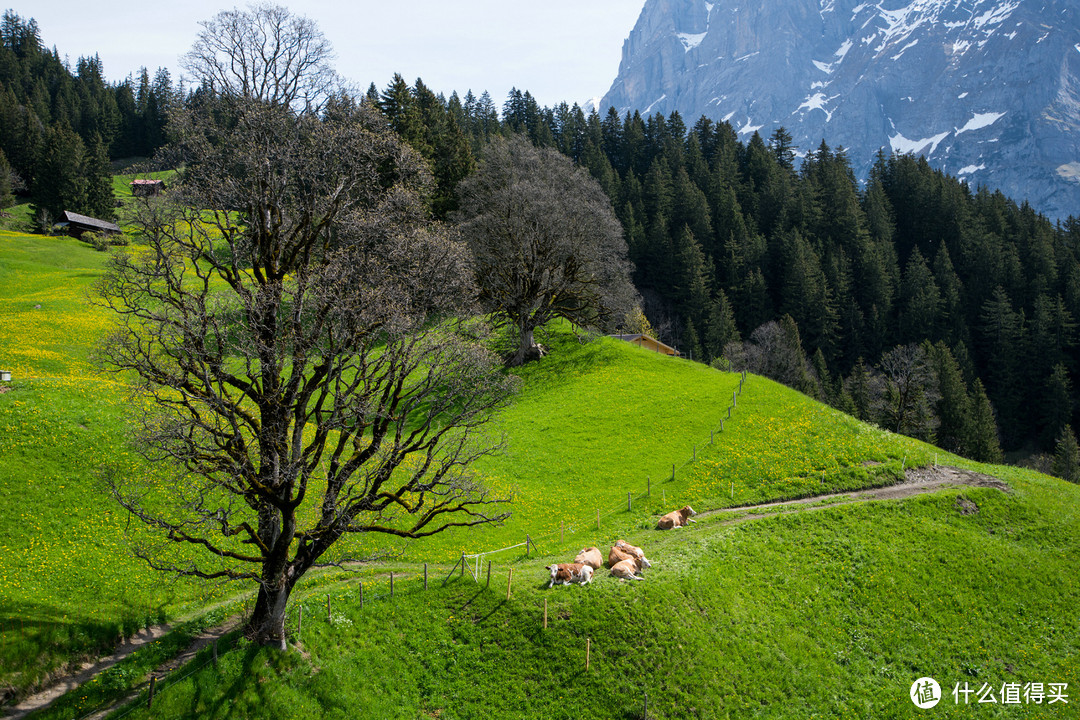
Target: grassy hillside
{"type": "Point", "coordinates": [832, 613]}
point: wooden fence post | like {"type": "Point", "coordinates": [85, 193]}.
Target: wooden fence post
{"type": "Point", "coordinates": [588, 651]}
{"type": "Point", "coordinates": [328, 609]}
{"type": "Point", "coordinates": [300, 622]}
{"type": "Point", "coordinates": [648, 485]}
{"type": "Point", "coordinates": [462, 565]}
{"type": "Point", "coordinates": [527, 543]}
{"type": "Point", "coordinates": [509, 581]}
{"type": "Point", "coordinates": [672, 472]}
{"type": "Point", "coordinates": [645, 712]}
{"type": "Point", "coordinates": [629, 502]}
{"type": "Point", "coordinates": [489, 575]}
{"type": "Point", "coordinates": [215, 651]}
{"type": "Point", "coordinates": [545, 613]}
{"type": "Point", "coordinates": [721, 424]}
{"type": "Point", "coordinates": [597, 518]}
{"type": "Point", "coordinates": [153, 686]}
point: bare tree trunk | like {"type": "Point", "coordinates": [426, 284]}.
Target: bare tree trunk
{"type": "Point", "coordinates": [267, 623]}
{"type": "Point", "coordinates": [527, 350]}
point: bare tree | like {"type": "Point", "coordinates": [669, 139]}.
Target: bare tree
{"type": "Point", "coordinates": [909, 392]}
{"type": "Point", "coordinates": [264, 53]}
{"type": "Point", "coordinates": [546, 242]}
{"type": "Point", "coordinates": [290, 325]}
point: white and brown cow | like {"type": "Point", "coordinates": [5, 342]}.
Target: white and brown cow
{"type": "Point", "coordinates": [568, 573]}
{"type": "Point", "coordinates": [590, 556]}
{"type": "Point", "coordinates": [677, 518]}
{"type": "Point", "coordinates": [623, 550]}
{"type": "Point", "coordinates": [627, 569]}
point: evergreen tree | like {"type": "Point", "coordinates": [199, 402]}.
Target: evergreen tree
{"type": "Point", "coordinates": [1067, 456]}
{"type": "Point", "coordinates": [7, 199]}
{"type": "Point", "coordinates": [953, 407]}
{"type": "Point", "coordinates": [59, 183]}
{"type": "Point", "coordinates": [1057, 405]}
{"type": "Point", "coordinates": [720, 328]}
{"type": "Point", "coordinates": [860, 389]}
{"type": "Point", "coordinates": [983, 444]}
{"type": "Point", "coordinates": [100, 202]}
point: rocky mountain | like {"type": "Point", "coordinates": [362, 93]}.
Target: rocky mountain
{"type": "Point", "coordinates": [987, 90]}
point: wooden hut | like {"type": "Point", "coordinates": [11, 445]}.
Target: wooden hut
{"type": "Point", "coordinates": [144, 186]}
{"type": "Point", "coordinates": [649, 343]}
{"type": "Point", "coordinates": [78, 224]}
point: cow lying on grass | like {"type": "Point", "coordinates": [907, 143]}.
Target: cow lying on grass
{"type": "Point", "coordinates": [590, 556]}
{"type": "Point", "coordinates": [569, 573]}
{"type": "Point", "coordinates": [623, 550]}
{"type": "Point", "coordinates": [677, 518]}
{"type": "Point", "coordinates": [627, 569]}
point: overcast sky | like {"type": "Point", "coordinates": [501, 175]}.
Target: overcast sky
{"type": "Point", "coordinates": [556, 49]}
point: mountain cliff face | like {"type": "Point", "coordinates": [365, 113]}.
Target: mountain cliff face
{"type": "Point", "coordinates": [987, 90]}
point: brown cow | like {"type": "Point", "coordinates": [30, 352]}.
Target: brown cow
{"type": "Point", "coordinates": [676, 518]}
{"type": "Point", "coordinates": [567, 573]}
{"type": "Point", "coordinates": [627, 569]}
{"type": "Point", "coordinates": [622, 550]}
{"type": "Point", "coordinates": [590, 556]}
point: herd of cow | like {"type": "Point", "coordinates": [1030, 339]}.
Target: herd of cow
{"type": "Point", "coordinates": [626, 561]}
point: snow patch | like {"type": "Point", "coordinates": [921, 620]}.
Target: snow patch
{"type": "Point", "coordinates": [817, 102]}
{"type": "Point", "coordinates": [709, 7]}
{"type": "Point", "coordinates": [968, 169]}
{"type": "Point", "coordinates": [747, 128]}
{"type": "Point", "coordinates": [728, 116]}
{"type": "Point", "coordinates": [995, 16]}
{"type": "Point", "coordinates": [1070, 171]}
{"type": "Point", "coordinates": [1077, 48]}
{"type": "Point", "coordinates": [691, 40]}
{"type": "Point", "coordinates": [961, 96]}
{"type": "Point", "coordinates": [747, 57]}
{"type": "Point", "coordinates": [823, 67]}
{"type": "Point", "coordinates": [980, 121]}
{"type": "Point", "coordinates": [902, 145]}
{"type": "Point", "coordinates": [655, 103]}
{"type": "Point", "coordinates": [913, 43]}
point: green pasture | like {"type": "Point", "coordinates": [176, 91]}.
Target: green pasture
{"type": "Point", "coordinates": [825, 614]}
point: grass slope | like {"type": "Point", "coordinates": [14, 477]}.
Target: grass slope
{"type": "Point", "coordinates": [827, 614]}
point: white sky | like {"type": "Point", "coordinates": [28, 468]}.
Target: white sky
{"type": "Point", "coordinates": [556, 49]}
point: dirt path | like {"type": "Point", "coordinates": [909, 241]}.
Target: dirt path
{"type": "Point", "coordinates": [918, 480]}
{"type": "Point", "coordinates": [89, 670]}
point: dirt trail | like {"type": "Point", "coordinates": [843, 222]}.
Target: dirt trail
{"type": "Point", "coordinates": [89, 670]}
{"type": "Point", "coordinates": [917, 481]}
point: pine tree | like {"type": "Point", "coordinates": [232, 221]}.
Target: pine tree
{"type": "Point", "coordinates": [982, 444]}
{"type": "Point", "coordinates": [59, 183]}
{"type": "Point", "coordinates": [720, 328]}
{"type": "Point", "coordinates": [7, 199]}
{"type": "Point", "coordinates": [100, 202]}
{"type": "Point", "coordinates": [954, 406]}
{"type": "Point", "coordinates": [1067, 456]}
{"type": "Point", "coordinates": [860, 389]}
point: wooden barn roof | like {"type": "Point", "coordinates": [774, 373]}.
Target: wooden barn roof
{"type": "Point", "coordinates": [88, 222]}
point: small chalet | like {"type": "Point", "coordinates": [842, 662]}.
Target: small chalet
{"type": "Point", "coordinates": [649, 343]}
{"type": "Point", "coordinates": [78, 224]}
{"type": "Point", "coordinates": [141, 186]}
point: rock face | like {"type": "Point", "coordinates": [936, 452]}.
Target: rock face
{"type": "Point", "coordinates": [987, 90]}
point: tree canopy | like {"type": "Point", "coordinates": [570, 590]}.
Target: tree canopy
{"type": "Point", "coordinates": [545, 242]}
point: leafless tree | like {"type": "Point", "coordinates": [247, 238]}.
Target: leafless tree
{"type": "Point", "coordinates": [546, 242]}
{"type": "Point", "coordinates": [264, 53]}
{"type": "Point", "coordinates": [909, 392]}
{"type": "Point", "coordinates": [290, 323]}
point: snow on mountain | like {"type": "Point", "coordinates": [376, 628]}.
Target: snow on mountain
{"type": "Point", "coordinates": [986, 89]}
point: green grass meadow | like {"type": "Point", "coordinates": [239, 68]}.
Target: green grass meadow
{"type": "Point", "coordinates": [828, 613]}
